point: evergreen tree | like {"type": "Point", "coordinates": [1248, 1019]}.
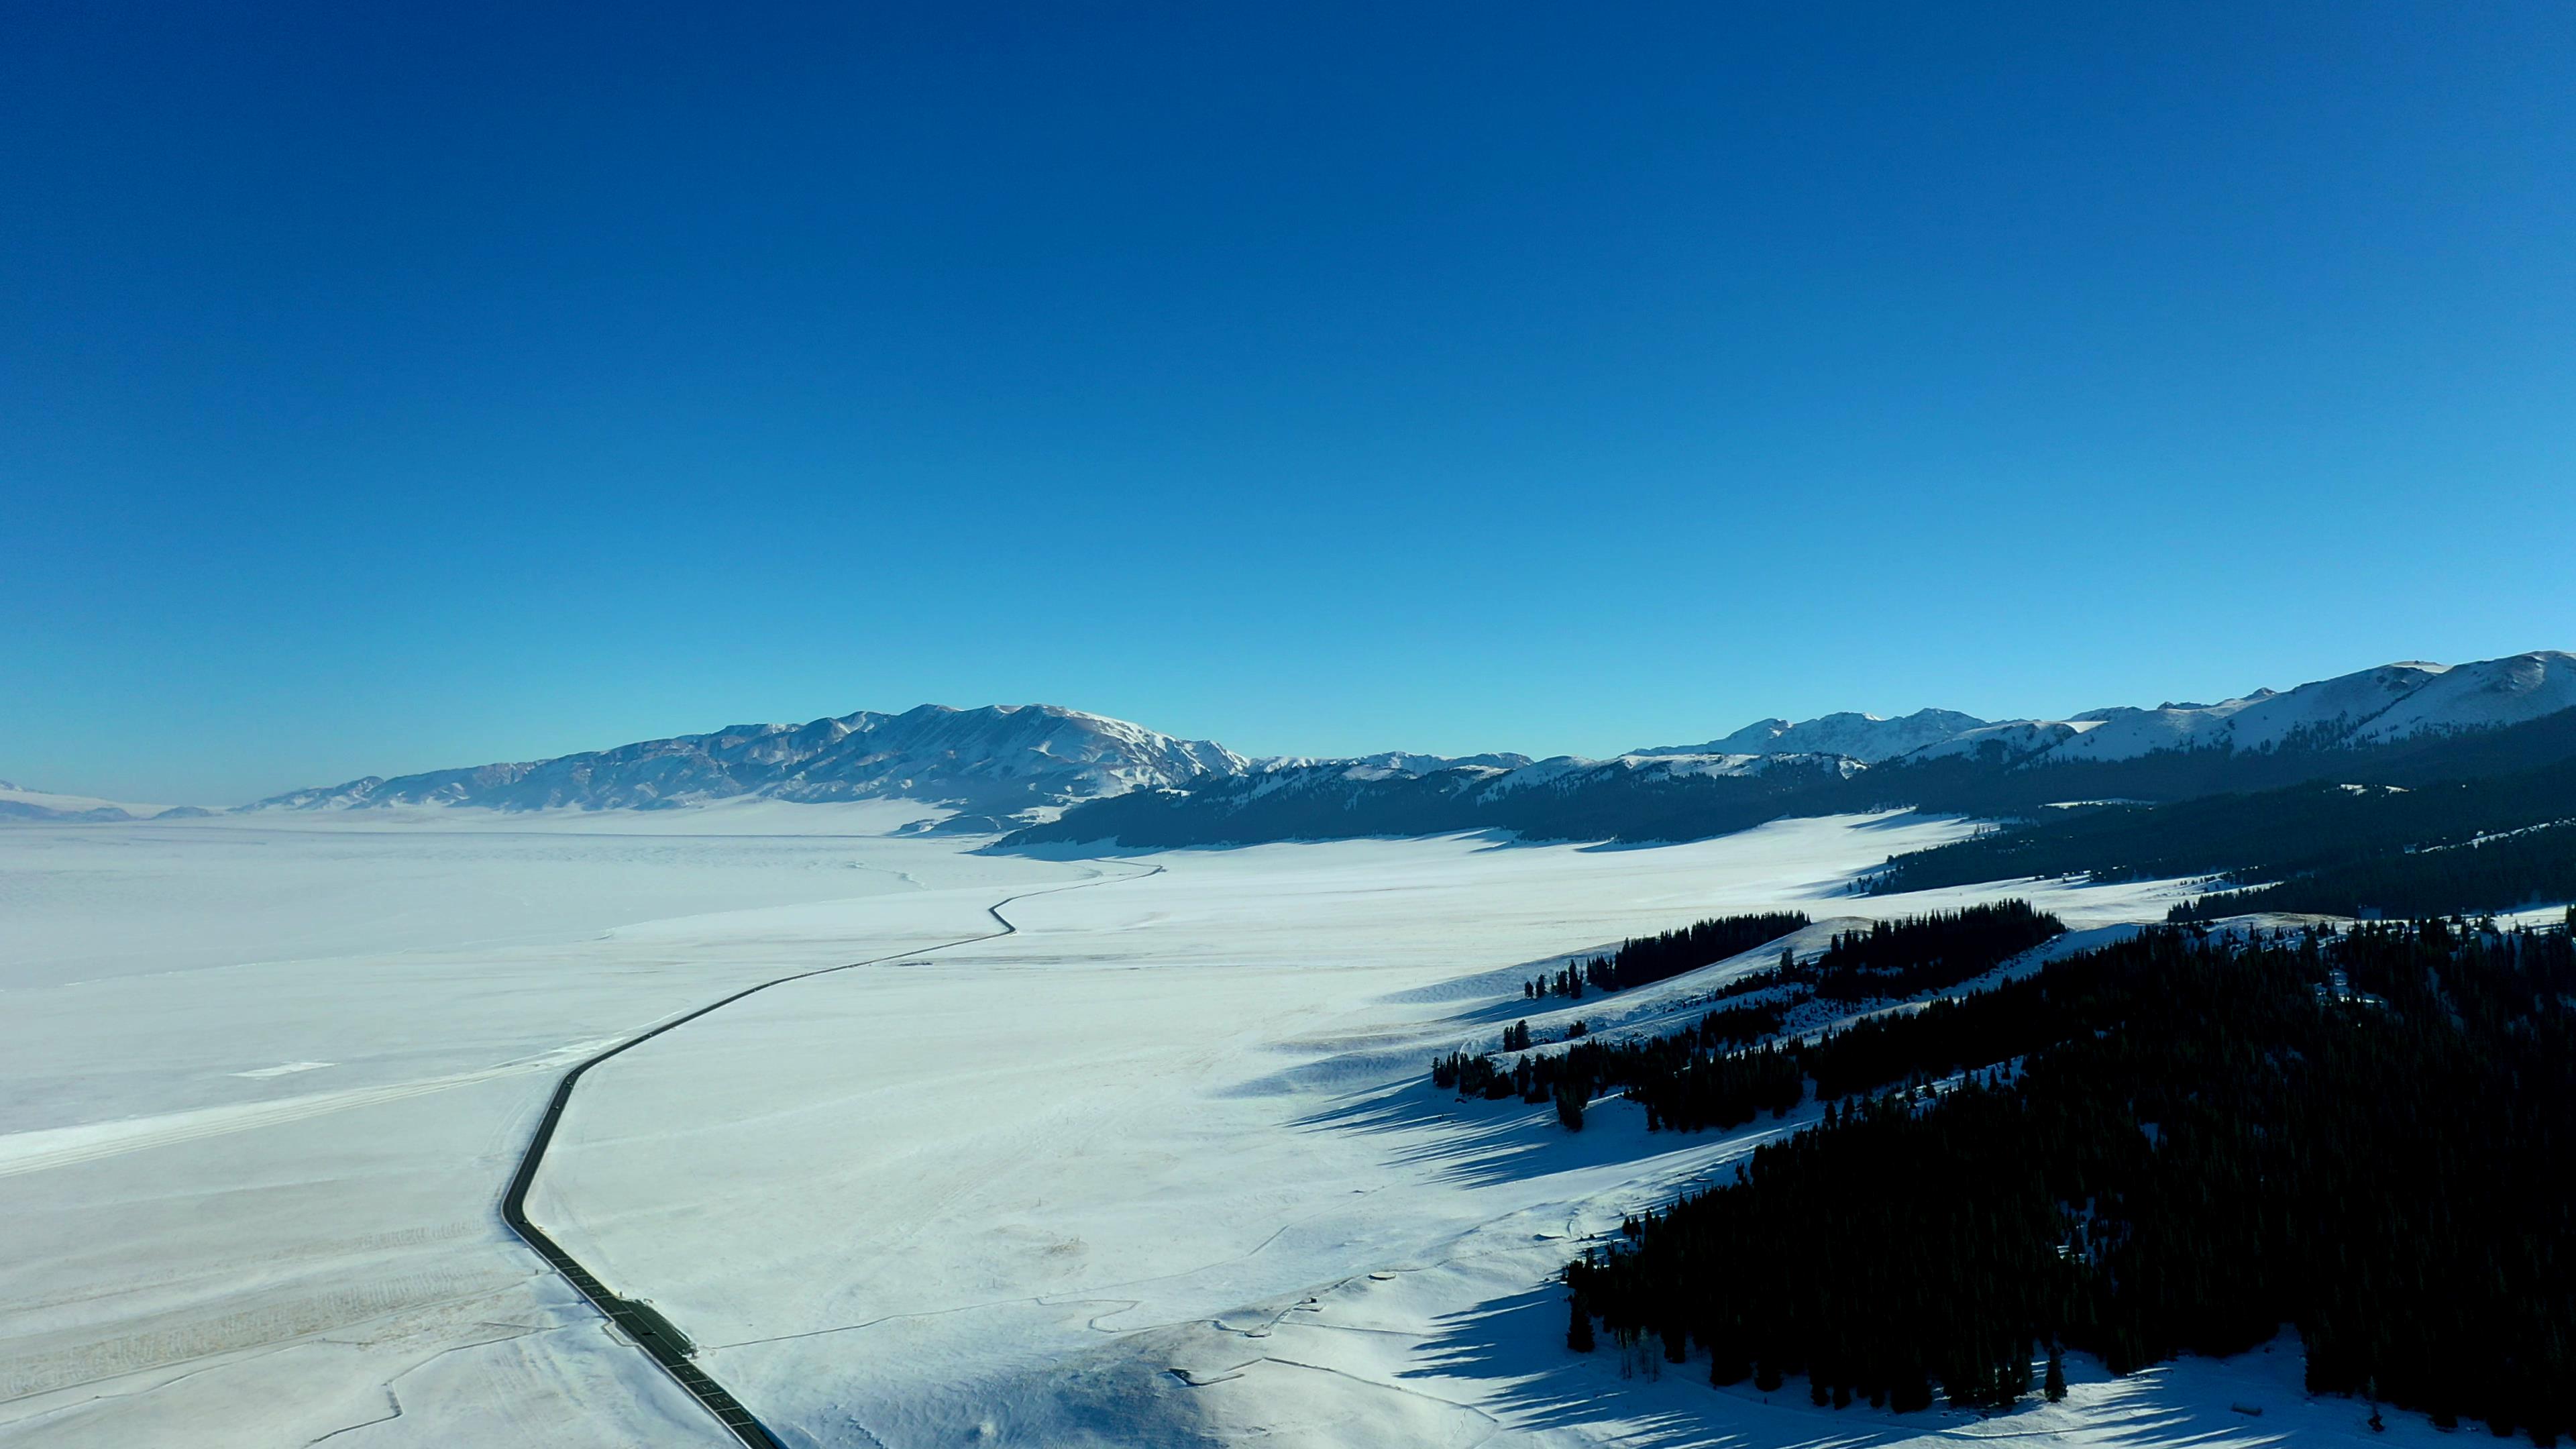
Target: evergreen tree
{"type": "Point", "coordinates": [1578, 1326]}
{"type": "Point", "coordinates": [2218, 1108]}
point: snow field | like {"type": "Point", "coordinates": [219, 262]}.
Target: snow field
{"type": "Point", "coordinates": [1030, 1191]}
{"type": "Point", "coordinates": [1162, 1168]}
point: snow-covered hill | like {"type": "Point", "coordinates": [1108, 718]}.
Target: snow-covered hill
{"type": "Point", "coordinates": [1868, 738]}
{"type": "Point", "coordinates": [2372, 706]}
{"type": "Point", "coordinates": [1385, 763]}
{"type": "Point", "coordinates": [998, 758]}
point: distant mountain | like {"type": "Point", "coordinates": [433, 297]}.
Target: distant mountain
{"type": "Point", "coordinates": [17, 802]}
{"type": "Point", "coordinates": [1000, 762]}
{"type": "Point", "coordinates": [996, 760]}
{"type": "Point", "coordinates": [1660, 797]}
{"type": "Point", "coordinates": [1388, 762]}
{"type": "Point", "coordinates": [1864, 737]}
{"type": "Point", "coordinates": [2397, 722]}
{"type": "Point", "coordinates": [2392, 703]}
{"type": "Point", "coordinates": [2385, 705]}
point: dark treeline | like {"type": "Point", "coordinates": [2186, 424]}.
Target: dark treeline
{"type": "Point", "coordinates": [1565, 981]}
{"type": "Point", "coordinates": [2336, 848]}
{"type": "Point", "coordinates": [1686, 1079]}
{"type": "Point", "coordinates": [1698, 1078]}
{"type": "Point", "coordinates": [1657, 958]}
{"type": "Point", "coordinates": [2364, 1135]}
{"type": "Point", "coordinates": [1979, 1029]}
{"type": "Point", "coordinates": [1926, 953]}
{"type": "Point", "coordinates": [2491, 875]}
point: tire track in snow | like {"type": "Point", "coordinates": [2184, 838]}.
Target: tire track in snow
{"type": "Point", "coordinates": [661, 1340]}
{"type": "Point", "coordinates": [45, 1148]}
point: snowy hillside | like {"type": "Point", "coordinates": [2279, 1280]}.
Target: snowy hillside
{"type": "Point", "coordinates": [1000, 757]}
{"type": "Point", "coordinates": [1865, 737]}
{"type": "Point", "coordinates": [2373, 706]}
{"type": "Point", "coordinates": [1386, 763]}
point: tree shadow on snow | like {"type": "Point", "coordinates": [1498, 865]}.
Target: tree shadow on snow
{"type": "Point", "coordinates": [1477, 1143]}
{"type": "Point", "coordinates": [1514, 1347]}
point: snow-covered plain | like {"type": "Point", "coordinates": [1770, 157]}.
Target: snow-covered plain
{"type": "Point", "coordinates": [1161, 1168]}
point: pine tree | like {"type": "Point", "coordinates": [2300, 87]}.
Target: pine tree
{"type": "Point", "coordinates": [2056, 1387]}
{"type": "Point", "coordinates": [1569, 1106]}
{"type": "Point", "coordinates": [1578, 1326]}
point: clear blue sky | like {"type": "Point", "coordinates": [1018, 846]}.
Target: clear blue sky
{"type": "Point", "coordinates": [392, 387]}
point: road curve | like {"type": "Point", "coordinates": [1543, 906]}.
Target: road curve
{"type": "Point", "coordinates": [647, 1329]}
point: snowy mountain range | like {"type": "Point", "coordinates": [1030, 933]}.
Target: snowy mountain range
{"type": "Point", "coordinates": [1936, 759]}
{"type": "Point", "coordinates": [2373, 706]}
{"type": "Point", "coordinates": [1003, 760]}
{"type": "Point", "coordinates": [998, 759]}
{"type": "Point", "coordinates": [2385, 705]}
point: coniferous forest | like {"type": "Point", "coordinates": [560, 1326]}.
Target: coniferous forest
{"type": "Point", "coordinates": [2175, 1143]}
{"type": "Point", "coordinates": [1927, 953]}
{"type": "Point", "coordinates": [1658, 958]}
{"type": "Point", "coordinates": [1697, 1078]}
{"type": "Point", "coordinates": [2472, 845]}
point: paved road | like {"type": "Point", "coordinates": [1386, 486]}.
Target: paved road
{"type": "Point", "coordinates": [649, 1330]}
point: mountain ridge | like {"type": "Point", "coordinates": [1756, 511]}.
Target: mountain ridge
{"type": "Point", "coordinates": [993, 758]}
{"type": "Point", "coordinates": [1011, 760]}
{"type": "Point", "coordinates": [2392, 718]}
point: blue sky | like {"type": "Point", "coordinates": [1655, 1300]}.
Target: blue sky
{"type": "Point", "coordinates": [384, 388]}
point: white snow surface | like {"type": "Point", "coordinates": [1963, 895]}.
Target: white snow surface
{"type": "Point", "coordinates": [1162, 1168]}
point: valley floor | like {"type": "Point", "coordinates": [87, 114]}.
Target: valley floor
{"type": "Point", "coordinates": [1161, 1168]}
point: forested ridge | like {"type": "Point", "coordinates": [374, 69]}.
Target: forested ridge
{"type": "Point", "coordinates": [1650, 959]}
{"type": "Point", "coordinates": [1696, 1077]}
{"type": "Point", "coordinates": [1613, 802]}
{"type": "Point", "coordinates": [2174, 1143]}
{"type": "Point", "coordinates": [2515, 869]}
{"type": "Point", "coordinates": [2267, 836]}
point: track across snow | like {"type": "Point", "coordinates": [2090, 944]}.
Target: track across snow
{"type": "Point", "coordinates": [647, 1329]}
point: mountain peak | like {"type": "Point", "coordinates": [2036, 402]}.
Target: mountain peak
{"type": "Point", "coordinates": [990, 759]}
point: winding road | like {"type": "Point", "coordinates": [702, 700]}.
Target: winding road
{"type": "Point", "coordinates": [647, 1329]}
